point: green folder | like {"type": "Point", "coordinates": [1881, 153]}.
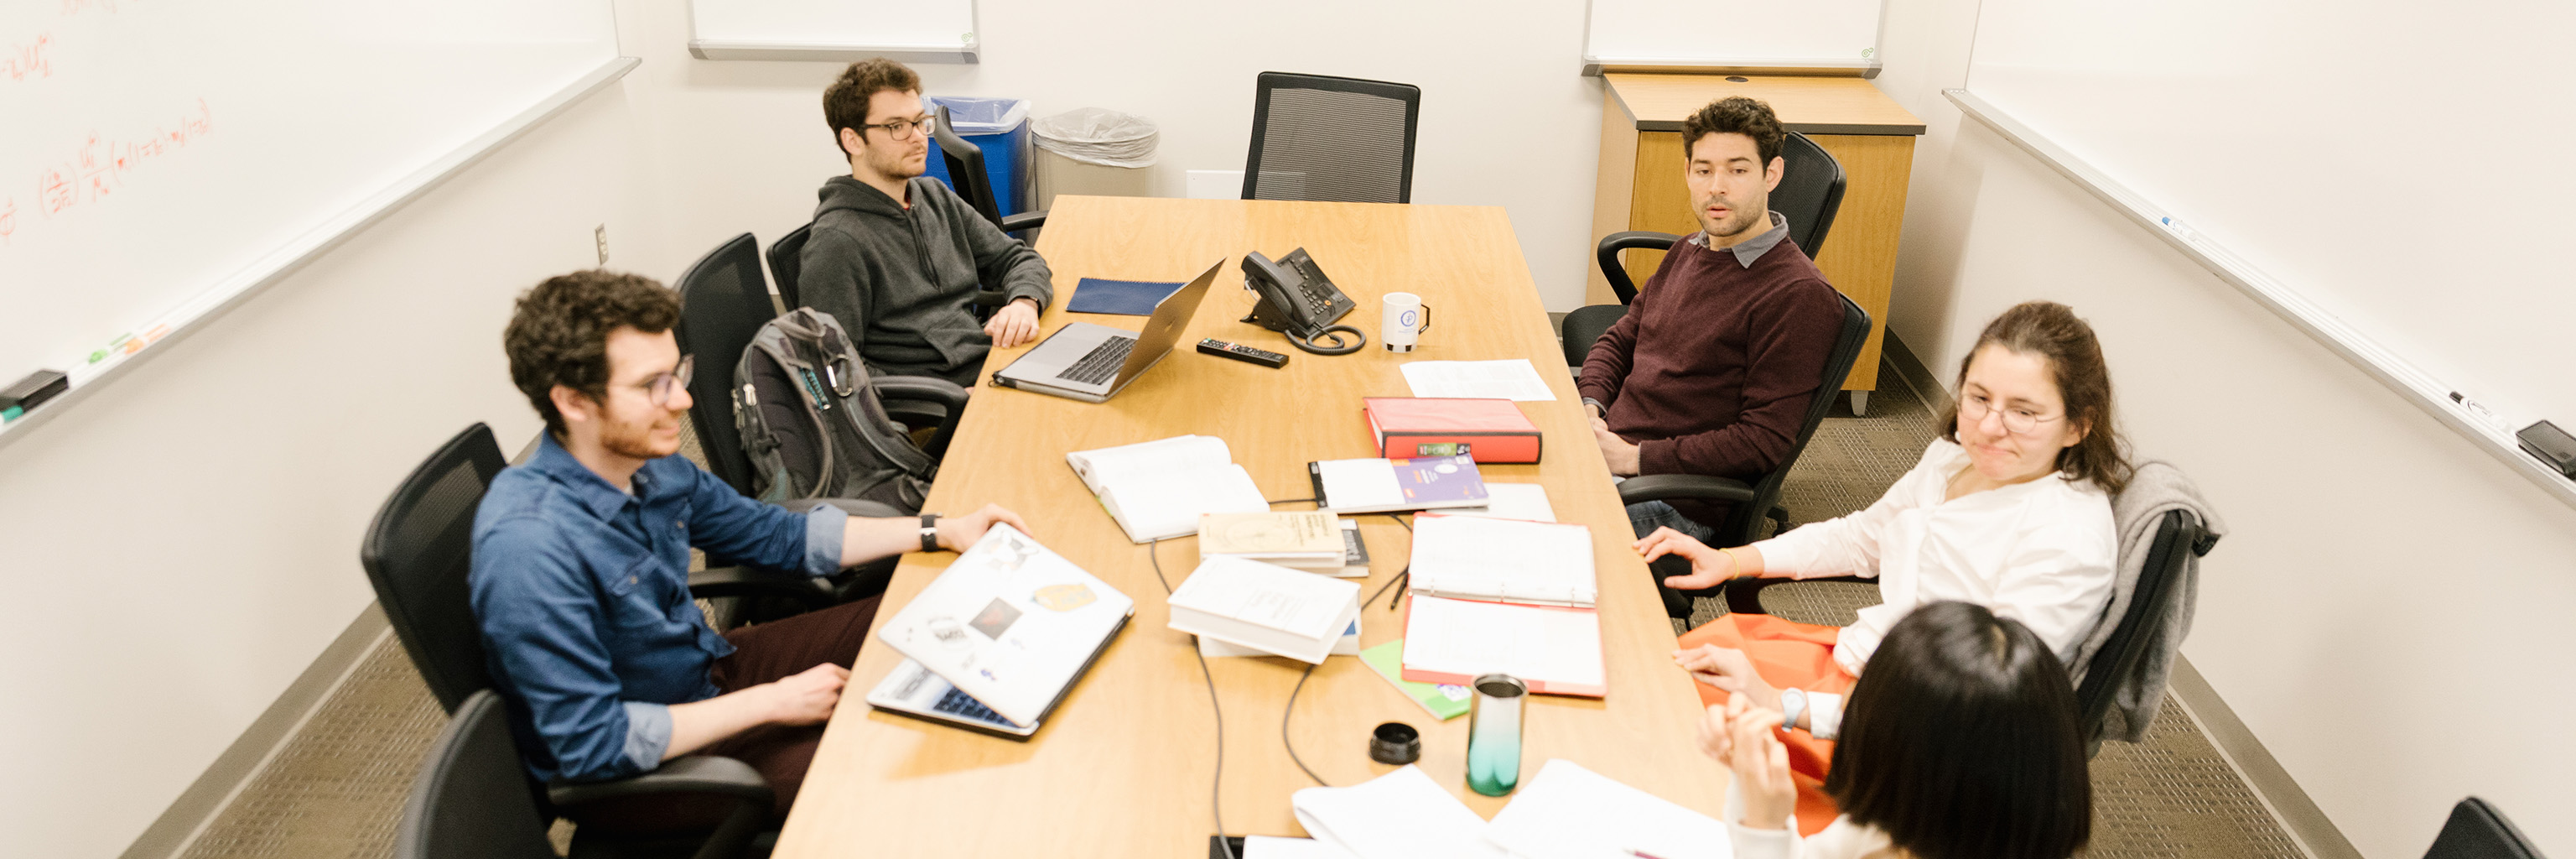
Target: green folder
{"type": "Point", "coordinates": [1445, 701]}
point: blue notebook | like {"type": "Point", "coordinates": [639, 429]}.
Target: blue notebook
{"type": "Point", "coordinates": [1127, 297]}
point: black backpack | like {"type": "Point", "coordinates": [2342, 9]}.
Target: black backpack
{"type": "Point", "coordinates": [811, 424]}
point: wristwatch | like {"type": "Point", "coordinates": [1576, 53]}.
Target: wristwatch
{"type": "Point", "coordinates": [1792, 702]}
{"type": "Point", "coordinates": [930, 532]}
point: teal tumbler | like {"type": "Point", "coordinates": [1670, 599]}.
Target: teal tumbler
{"type": "Point", "coordinates": [1494, 735]}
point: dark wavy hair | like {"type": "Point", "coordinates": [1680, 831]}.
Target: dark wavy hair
{"type": "Point", "coordinates": [845, 102]}
{"type": "Point", "coordinates": [1960, 741]}
{"type": "Point", "coordinates": [2052, 332]}
{"type": "Point", "coordinates": [558, 335]}
{"type": "Point", "coordinates": [1734, 114]}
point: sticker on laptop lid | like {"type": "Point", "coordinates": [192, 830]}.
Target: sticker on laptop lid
{"type": "Point", "coordinates": [1063, 597]}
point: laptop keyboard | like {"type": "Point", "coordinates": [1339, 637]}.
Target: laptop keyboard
{"type": "Point", "coordinates": [961, 705]}
{"type": "Point", "coordinates": [1101, 362]}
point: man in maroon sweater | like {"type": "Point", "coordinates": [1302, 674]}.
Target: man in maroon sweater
{"type": "Point", "coordinates": [1713, 367]}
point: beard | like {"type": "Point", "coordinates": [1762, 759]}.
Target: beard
{"type": "Point", "coordinates": [896, 165]}
{"type": "Point", "coordinates": [1739, 219]}
{"type": "Point", "coordinates": [634, 440]}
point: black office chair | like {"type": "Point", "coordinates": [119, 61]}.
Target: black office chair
{"type": "Point", "coordinates": [786, 261]}
{"type": "Point", "coordinates": [418, 554]}
{"type": "Point", "coordinates": [1810, 192]}
{"type": "Point", "coordinates": [722, 306]}
{"type": "Point", "coordinates": [472, 798]}
{"type": "Point", "coordinates": [2477, 830]}
{"type": "Point", "coordinates": [1331, 139]}
{"type": "Point", "coordinates": [1749, 505]}
{"type": "Point", "coordinates": [967, 176]}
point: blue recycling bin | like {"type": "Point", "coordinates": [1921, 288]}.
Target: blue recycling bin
{"type": "Point", "coordinates": [1000, 126]}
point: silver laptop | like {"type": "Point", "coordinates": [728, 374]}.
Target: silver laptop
{"type": "Point", "coordinates": [1092, 363]}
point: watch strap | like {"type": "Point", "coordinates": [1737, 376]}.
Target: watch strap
{"type": "Point", "coordinates": [930, 532]}
{"type": "Point", "coordinates": [1792, 702]}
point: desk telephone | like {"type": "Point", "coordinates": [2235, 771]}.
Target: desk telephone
{"type": "Point", "coordinates": [1299, 301]}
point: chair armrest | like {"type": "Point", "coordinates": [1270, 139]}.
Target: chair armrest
{"type": "Point", "coordinates": [694, 774]}
{"type": "Point", "coordinates": [1744, 596]}
{"type": "Point", "coordinates": [1024, 221]}
{"type": "Point", "coordinates": [1608, 255]}
{"type": "Point", "coordinates": [755, 581]}
{"type": "Point", "coordinates": [1698, 487]}
{"type": "Point", "coordinates": [927, 389]}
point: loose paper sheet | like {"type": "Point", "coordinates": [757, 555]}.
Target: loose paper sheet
{"type": "Point", "coordinates": [1513, 379]}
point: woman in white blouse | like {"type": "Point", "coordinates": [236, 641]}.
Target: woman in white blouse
{"type": "Point", "coordinates": [1961, 742]}
{"type": "Point", "coordinates": [2010, 509]}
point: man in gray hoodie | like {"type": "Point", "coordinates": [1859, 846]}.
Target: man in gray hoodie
{"type": "Point", "coordinates": [898, 257]}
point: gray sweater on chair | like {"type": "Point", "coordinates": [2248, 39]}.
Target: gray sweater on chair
{"type": "Point", "coordinates": [2137, 512]}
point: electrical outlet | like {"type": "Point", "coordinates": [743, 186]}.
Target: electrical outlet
{"type": "Point", "coordinates": [600, 234]}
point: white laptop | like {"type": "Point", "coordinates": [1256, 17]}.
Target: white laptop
{"type": "Point", "coordinates": [1092, 363]}
{"type": "Point", "coordinates": [1011, 625]}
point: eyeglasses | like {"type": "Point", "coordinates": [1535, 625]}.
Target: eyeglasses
{"type": "Point", "coordinates": [904, 129]}
{"type": "Point", "coordinates": [2016, 421]}
{"type": "Point", "coordinates": [661, 388]}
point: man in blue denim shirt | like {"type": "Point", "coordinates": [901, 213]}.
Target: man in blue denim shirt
{"type": "Point", "coordinates": [581, 561]}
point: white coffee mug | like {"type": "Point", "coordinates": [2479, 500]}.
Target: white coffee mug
{"type": "Point", "coordinates": [1405, 320]}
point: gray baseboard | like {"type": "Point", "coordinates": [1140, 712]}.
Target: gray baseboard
{"type": "Point", "coordinates": [2306, 823]}
{"type": "Point", "coordinates": [188, 815]}
{"type": "Point", "coordinates": [1925, 384]}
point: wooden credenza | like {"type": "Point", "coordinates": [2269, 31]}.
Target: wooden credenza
{"type": "Point", "coordinates": [1873, 137]}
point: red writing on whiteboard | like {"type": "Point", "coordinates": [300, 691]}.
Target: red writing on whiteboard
{"type": "Point", "coordinates": [100, 166]}
{"type": "Point", "coordinates": [8, 219]}
{"type": "Point", "coordinates": [28, 60]}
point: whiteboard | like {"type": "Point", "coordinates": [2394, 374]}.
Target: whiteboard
{"type": "Point", "coordinates": [1732, 33]}
{"type": "Point", "coordinates": [911, 31]}
{"type": "Point", "coordinates": [2396, 179]}
{"type": "Point", "coordinates": [163, 158]}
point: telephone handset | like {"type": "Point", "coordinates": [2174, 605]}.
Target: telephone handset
{"type": "Point", "coordinates": [1299, 301]}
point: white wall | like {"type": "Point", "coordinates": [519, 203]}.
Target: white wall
{"type": "Point", "coordinates": [2390, 615]}
{"type": "Point", "coordinates": [1505, 118]}
{"type": "Point", "coordinates": [181, 544]}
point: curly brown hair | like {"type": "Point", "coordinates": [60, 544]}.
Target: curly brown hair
{"type": "Point", "coordinates": [558, 335]}
{"type": "Point", "coordinates": [1735, 114]}
{"type": "Point", "coordinates": [2052, 331]}
{"type": "Point", "coordinates": [845, 102]}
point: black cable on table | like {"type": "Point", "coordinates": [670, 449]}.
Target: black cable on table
{"type": "Point", "coordinates": [1216, 785]}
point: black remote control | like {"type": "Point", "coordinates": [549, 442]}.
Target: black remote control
{"type": "Point", "coordinates": [1240, 352]}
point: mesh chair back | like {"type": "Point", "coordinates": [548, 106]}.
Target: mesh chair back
{"type": "Point", "coordinates": [966, 174]}
{"type": "Point", "coordinates": [1741, 519]}
{"type": "Point", "coordinates": [418, 553]}
{"type": "Point", "coordinates": [2477, 830]}
{"type": "Point", "coordinates": [2179, 538]}
{"type": "Point", "coordinates": [1332, 139]}
{"type": "Point", "coordinates": [723, 303]}
{"type": "Point", "coordinates": [471, 797]}
{"type": "Point", "coordinates": [1810, 192]}
{"type": "Point", "coordinates": [786, 260]}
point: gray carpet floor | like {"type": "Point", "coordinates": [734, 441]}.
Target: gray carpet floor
{"type": "Point", "coordinates": [337, 786]}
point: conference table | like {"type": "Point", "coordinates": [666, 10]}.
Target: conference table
{"type": "Point", "coordinates": [1127, 764]}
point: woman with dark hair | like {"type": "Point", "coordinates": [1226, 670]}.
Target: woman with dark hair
{"type": "Point", "coordinates": [1961, 742]}
{"type": "Point", "coordinates": [2009, 509]}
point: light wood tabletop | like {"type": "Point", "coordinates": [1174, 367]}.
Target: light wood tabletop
{"type": "Point", "coordinates": [1126, 764]}
{"type": "Point", "coordinates": [1808, 104]}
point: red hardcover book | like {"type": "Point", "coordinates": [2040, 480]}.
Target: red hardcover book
{"type": "Point", "coordinates": [1494, 431]}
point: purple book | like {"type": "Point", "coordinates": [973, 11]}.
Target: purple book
{"type": "Point", "coordinates": [1389, 485]}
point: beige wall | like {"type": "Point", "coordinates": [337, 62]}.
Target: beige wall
{"type": "Point", "coordinates": [1505, 118]}
{"type": "Point", "coordinates": [2391, 614]}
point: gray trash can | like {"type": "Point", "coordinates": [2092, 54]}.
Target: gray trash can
{"type": "Point", "coordinates": [1090, 150]}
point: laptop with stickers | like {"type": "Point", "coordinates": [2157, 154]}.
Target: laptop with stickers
{"type": "Point", "coordinates": [1009, 626]}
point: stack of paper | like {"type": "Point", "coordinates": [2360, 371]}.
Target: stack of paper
{"type": "Point", "coordinates": [1511, 501]}
{"type": "Point", "coordinates": [1160, 488]}
{"type": "Point", "coordinates": [1557, 651]}
{"type": "Point", "coordinates": [1399, 815]}
{"type": "Point", "coordinates": [1514, 379]}
{"type": "Point", "coordinates": [1568, 812]}
{"type": "Point", "coordinates": [1265, 607]}
{"type": "Point", "coordinates": [1389, 485]}
{"type": "Point", "coordinates": [1503, 560]}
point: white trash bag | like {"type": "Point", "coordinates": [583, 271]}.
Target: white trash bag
{"type": "Point", "coordinates": [1094, 135]}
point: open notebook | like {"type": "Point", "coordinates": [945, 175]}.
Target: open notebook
{"type": "Point", "coordinates": [1160, 488]}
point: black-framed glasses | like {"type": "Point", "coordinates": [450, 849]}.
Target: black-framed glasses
{"type": "Point", "coordinates": [661, 388]}
{"type": "Point", "coordinates": [904, 129]}
{"type": "Point", "coordinates": [2016, 421]}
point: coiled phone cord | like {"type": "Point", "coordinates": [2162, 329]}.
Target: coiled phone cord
{"type": "Point", "coordinates": [1340, 345]}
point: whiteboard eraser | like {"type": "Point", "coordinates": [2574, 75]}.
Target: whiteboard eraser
{"type": "Point", "coordinates": [33, 391]}
{"type": "Point", "coordinates": [2551, 444]}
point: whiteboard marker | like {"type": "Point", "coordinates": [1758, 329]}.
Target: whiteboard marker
{"type": "Point", "coordinates": [2478, 411]}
